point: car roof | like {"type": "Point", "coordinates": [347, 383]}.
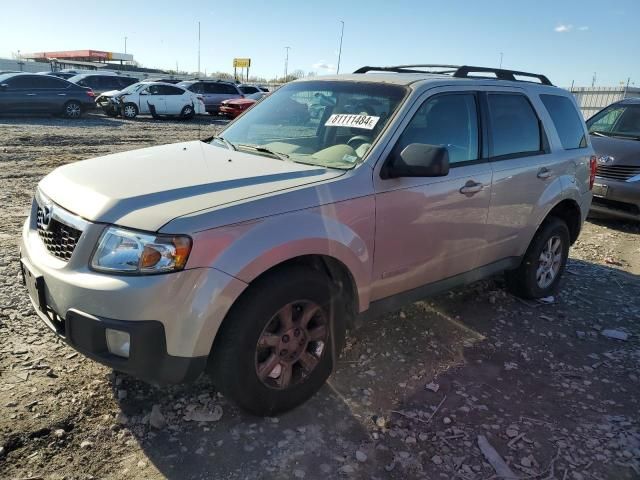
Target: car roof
{"type": "Point", "coordinates": [407, 79]}
{"type": "Point", "coordinates": [630, 101]}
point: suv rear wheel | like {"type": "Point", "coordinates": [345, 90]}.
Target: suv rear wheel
{"type": "Point", "coordinates": [276, 347]}
{"type": "Point", "coordinates": [542, 266]}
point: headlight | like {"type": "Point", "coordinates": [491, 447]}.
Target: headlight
{"type": "Point", "coordinates": [128, 251]}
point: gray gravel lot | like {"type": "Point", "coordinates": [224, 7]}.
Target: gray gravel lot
{"type": "Point", "coordinates": [413, 390]}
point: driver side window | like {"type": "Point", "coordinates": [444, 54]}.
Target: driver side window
{"type": "Point", "coordinates": [447, 120]}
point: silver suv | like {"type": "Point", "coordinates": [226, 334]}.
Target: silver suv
{"type": "Point", "coordinates": [250, 254]}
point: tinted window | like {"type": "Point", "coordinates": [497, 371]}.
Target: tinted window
{"type": "Point", "coordinates": [126, 81]}
{"type": "Point", "coordinates": [212, 88]}
{"type": "Point", "coordinates": [92, 82]}
{"type": "Point", "coordinates": [195, 87]}
{"type": "Point", "coordinates": [36, 81]}
{"type": "Point", "coordinates": [622, 120]}
{"type": "Point", "coordinates": [51, 82]}
{"type": "Point", "coordinates": [447, 120]}
{"type": "Point", "coordinates": [514, 125]}
{"type": "Point", "coordinates": [168, 90]}
{"type": "Point", "coordinates": [567, 121]}
{"type": "Point", "coordinates": [165, 90]}
{"type": "Point", "coordinates": [249, 90]}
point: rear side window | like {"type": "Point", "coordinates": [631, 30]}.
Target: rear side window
{"type": "Point", "coordinates": [566, 120]}
{"type": "Point", "coordinates": [248, 90]}
{"type": "Point", "coordinates": [169, 90]}
{"type": "Point", "coordinates": [515, 128]}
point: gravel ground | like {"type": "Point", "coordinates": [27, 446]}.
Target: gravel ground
{"type": "Point", "coordinates": [414, 392]}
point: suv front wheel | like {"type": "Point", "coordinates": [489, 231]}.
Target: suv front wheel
{"type": "Point", "coordinates": [543, 264]}
{"type": "Point", "coordinates": [276, 348]}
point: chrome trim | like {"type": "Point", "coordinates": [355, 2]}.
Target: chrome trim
{"type": "Point", "coordinates": [60, 214]}
{"type": "Point", "coordinates": [635, 178]}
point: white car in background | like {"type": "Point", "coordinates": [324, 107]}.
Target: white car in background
{"type": "Point", "coordinates": [155, 98]}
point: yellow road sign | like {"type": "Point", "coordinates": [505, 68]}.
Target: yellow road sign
{"type": "Point", "coordinates": [241, 62]}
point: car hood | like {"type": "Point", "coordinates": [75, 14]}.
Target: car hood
{"type": "Point", "coordinates": [623, 151]}
{"type": "Point", "coordinates": [147, 188]}
{"type": "Point", "coordinates": [110, 93]}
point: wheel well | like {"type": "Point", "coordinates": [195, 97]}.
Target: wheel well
{"type": "Point", "coordinates": [569, 212]}
{"type": "Point", "coordinates": [336, 271]}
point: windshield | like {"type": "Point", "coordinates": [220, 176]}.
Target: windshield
{"type": "Point", "coordinates": [327, 123]}
{"type": "Point", "coordinates": [134, 88]}
{"type": "Point", "coordinates": [617, 121]}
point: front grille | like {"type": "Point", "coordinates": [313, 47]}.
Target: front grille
{"type": "Point", "coordinates": [617, 172]}
{"type": "Point", "coordinates": [59, 238]}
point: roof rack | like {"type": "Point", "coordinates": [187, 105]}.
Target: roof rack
{"type": "Point", "coordinates": [464, 71]}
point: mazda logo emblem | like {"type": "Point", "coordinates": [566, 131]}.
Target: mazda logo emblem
{"type": "Point", "coordinates": [47, 215]}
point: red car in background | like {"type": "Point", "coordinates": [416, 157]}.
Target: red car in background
{"type": "Point", "coordinates": [233, 107]}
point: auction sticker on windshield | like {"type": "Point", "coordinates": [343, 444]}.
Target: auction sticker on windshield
{"type": "Point", "coordinates": [354, 121]}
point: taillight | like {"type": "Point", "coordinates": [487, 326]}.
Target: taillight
{"type": "Point", "coordinates": [593, 167]}
{"type": "Point", "coordinates": [90, 93]}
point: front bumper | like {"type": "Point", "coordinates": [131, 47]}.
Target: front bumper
{"type": "Point", "coordinates": [617, 198]}
{"type": "Point", "coordinates": [172, 319]}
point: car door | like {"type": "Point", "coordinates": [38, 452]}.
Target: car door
{"type": "Point", "coordinates": [156, 98]}
{"type": "Point", "coordinates": [429, 229]}
{"type": "Point", "coordinates": [52, 93]}
{"type": "Point", "coordinates": [175, 99]}
{"type": "Point", "coordinates": [523, 168]}
{"type": "Point", "coordinates": [14, 96]}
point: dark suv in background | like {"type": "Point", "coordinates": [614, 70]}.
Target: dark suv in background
{"type": "Point", "coordinates": [615, 136]}
{"type": "Point", "coordinates": [103, 83]}
{"type": "Point", "coordinates": [33, 93]}
{"type": "Point", "coordinates": [214, 92]}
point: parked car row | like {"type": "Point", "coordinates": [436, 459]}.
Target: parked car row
{"type": "Point", "coordinates": [117, 95]}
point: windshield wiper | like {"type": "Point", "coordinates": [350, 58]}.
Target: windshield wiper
{"type": "Point", "coordinates": [261, 149]}
{"type": "Point", "coordinates": [227, 143]}
{"type": "Point", "coordinates": [598, 133]}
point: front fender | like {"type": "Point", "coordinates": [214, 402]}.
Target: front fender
{"type": "Point", "coordinates": [343, 231]}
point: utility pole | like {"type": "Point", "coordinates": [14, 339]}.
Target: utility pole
{"type": "Point", "coordinates": [125, 45]}
{"type": "Point", "coordinates": [626, 88]}
{"type": "Point", "coordinates": [198, 49]}
{"type": "Point", "coordinates": [593, 80]}
{"type": "Point", "coordinates": [501, 55]}
{"type": "Point", "coordinates": [340, 48]}
{"type": "Point", "coordinates": [286, 62]}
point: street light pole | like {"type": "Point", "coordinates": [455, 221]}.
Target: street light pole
{"type": "Point", "coordinates": [198, 49]}
{"type": "Point", "coordinates": [125, 45]}
{"type": "Point", "coordinates": [500, 60]}
{"type": "Point", "coordinates": [286, 63]}
{"type": "Point", "coordinates": [340, 48]}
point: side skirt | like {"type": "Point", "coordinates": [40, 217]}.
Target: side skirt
{"type": "Point", "coordinates": [395, 302]}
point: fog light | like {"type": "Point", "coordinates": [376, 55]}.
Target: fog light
{"type": "Point", "coordinates": [118, 342]}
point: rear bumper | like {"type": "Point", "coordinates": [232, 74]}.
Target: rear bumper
{"type": "Point", "coordinates": [622, 199]}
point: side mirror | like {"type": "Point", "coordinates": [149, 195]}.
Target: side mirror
{"type": "Point", "coordinates": [144, 92]}
{"type": "Point", "coordinates": [419, 160]}
{"type": "Point", "coordinates": [4, 86]}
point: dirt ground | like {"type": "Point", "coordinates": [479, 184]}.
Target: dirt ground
{"type": "Point", "coordinates": [412, 392]}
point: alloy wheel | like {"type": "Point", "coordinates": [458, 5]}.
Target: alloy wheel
{"type": "Point", "coordinates": [549, 262]}
{"type": "Point", "coordinates": [72, 110]}
{"type": "Point", "coordinates": [291, 345]}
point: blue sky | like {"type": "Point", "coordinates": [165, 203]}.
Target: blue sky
{"type": "Point", "coordinates": [568, 40]}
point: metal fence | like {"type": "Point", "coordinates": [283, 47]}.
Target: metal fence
{"type": "Point", "coordinates": [593, 99]}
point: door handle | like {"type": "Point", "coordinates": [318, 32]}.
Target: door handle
{"type": "Point", "coordinates": [471, 188]}
{"type": "Point", "coordinates": [62, 94]}
{"type": "Point", "coordinates": [544, 172]}
{"type": "Point", "coordinates": [30, 94]}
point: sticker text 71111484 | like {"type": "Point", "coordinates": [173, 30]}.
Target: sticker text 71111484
{"type": "Point", "coordinates": [368, 122]}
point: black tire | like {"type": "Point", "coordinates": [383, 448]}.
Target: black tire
{"type": "Point", "coordinates": [524, 281]}
{"type": "Point", "coordinates": [234, 361]}
{"type": "Point", "coordinates": [110, 112]}
{"type": "Point", "coordinates": [188, 112]}
{"type": "Point", "coordinates": [72, 109]}
{"type": "Point", "coordinates": [130, 111]}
